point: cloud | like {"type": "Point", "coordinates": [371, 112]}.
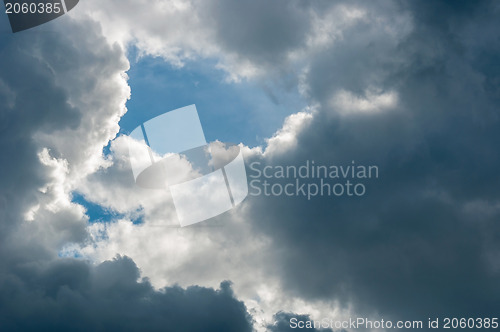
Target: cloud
{"type": "Point", "coordinates": [62, 95]}
{"type": "Point", "coordinates": [347, 102]}
{"type": "Point", "coordinates": [390, 84]}
{"type": "Point", "coordinates": [246, 41]}
{"type": "Point", "coordinates": [72, 295]}
{"type": "Point", "coordinates": [53, 132]}
{"type": "Point", "coordinates": [406, 249]}
{"type": "Point", "coordinates": [286, 138]}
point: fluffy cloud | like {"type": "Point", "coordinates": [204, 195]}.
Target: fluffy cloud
{"type": "Point", "coordinates": [62, 95]}
{"type": "Point", "coordinates": [245, 40]}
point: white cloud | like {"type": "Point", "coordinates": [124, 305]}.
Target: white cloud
{"type": "Point", "coordinates": [185, 30]}
{"type": "Point", "coordinates": [345, 102]}
{"type": "Point", "coordinates": [285, 139]}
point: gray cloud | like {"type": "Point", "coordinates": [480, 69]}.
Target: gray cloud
{"type": "Point", "coordinates": [72, 295]}
{"type": "Point", "coordinates": [261, 31]}
{"type": "Point", "coordinates": [28, 105]}
{"type": "Point", "coordinates": [420, 242]}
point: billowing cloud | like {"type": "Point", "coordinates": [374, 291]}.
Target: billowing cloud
{"type": "Point", "coordinates": [62, 95]}
{"type": "Point", "coordinates": [410, 247]}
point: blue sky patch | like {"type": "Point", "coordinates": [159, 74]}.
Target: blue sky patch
{"type": "Point", "coordinates": [230, 112]}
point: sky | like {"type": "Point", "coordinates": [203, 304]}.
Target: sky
{"type": "Point", "coordinates": [412, 88]}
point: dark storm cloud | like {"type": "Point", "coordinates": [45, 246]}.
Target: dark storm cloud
{"type": "Point", "coordinates": [261, 31]}
{"type": "Point", "coordinates": [71, 295]}
{"type": "Point", "coordinates": [424, 240]}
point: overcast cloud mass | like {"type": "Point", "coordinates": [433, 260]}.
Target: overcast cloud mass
{"type": "Point", "coordinates": [411, 87]}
